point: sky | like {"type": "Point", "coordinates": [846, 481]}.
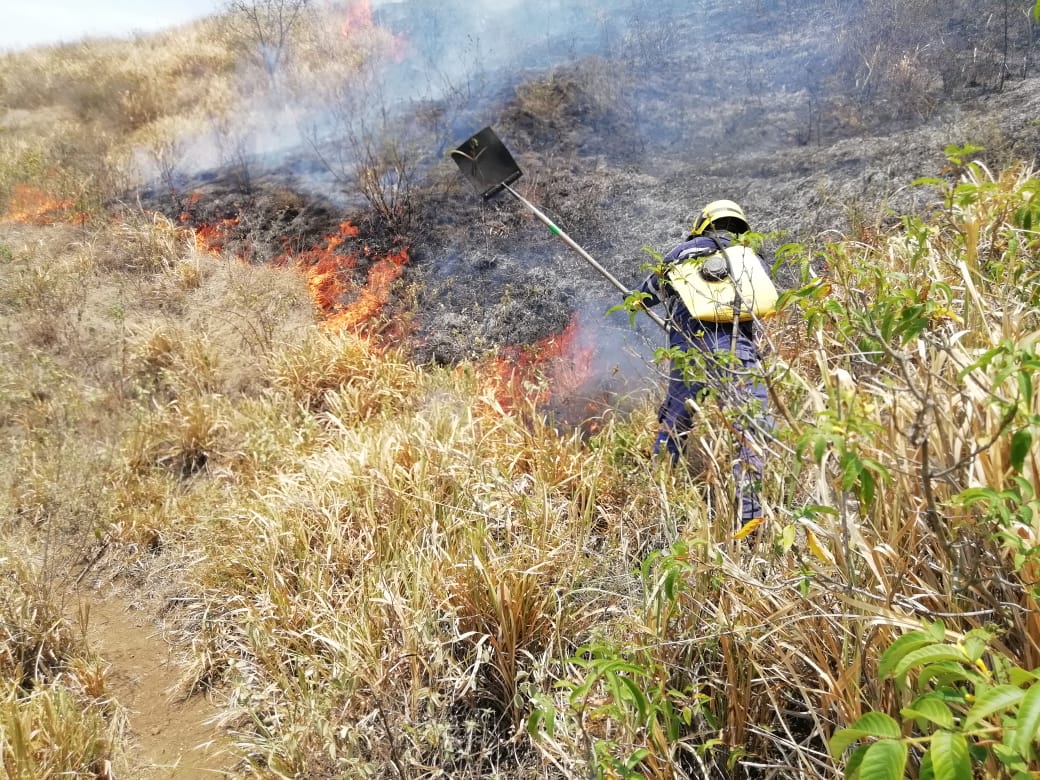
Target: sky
{"type": "Point", "coordinates": [32, 22]}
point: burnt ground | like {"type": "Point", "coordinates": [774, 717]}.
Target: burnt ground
{"type": "Point", "coordinates": [620, 144]}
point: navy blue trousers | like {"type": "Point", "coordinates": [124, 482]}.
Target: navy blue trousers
{"type": "Point", "coordinates": [734, 380]}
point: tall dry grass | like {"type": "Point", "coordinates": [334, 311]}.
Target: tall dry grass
{"type": "Point", "coordinates": [57, 717]}
{"type": "Point", "coordinates": [79, 117]}
{"type": "Point", "coordinates": [386, 573]}
{"type": "Point", "coordinates": [104, 332]}
{"type": "Point", "coordinates": [85, 123]}
{"type": "Point", "coordinates": [438, 583]}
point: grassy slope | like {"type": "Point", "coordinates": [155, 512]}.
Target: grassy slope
{"type": "Point", "coordinates": [386, 573]}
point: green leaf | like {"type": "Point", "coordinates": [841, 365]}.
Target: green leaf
{"type": "Point", "coordinates": [841, 739]}
{"type": "Point", "coordinates": [975, 495]}
{"type": "Point", "coordinates": [924, 656]}
{"type": "Point", "coordinates": [1021, 443]}
{"type": "Point", "coordinates": [636, 696]}
{"type": "Point", "coordinates": [1021, 677]}
{"type": "Point", "coordinates": [871, 724]}
{"type": "Point", "coordinates": [884, 760]}
{"type": "Point", "coordinates": [878, 724]}
{"type": "Point", "coordinates": [866, 481]}
{"type": "Point", "coordinates": [543, 716]}
{"type": "Point", "coordinates": [956, 154]}
{"type": "Point", "coordinates": [976, 642]}
{"type": "Point", "coordinates": [1025, 489]}
{"type": "Point", "coordinates": [949, 674]}
{"type": "Point", "coordinates": [897, 650]}
{"type": "Point", "coordinates": [635, 758]}
{"type": "Point", "coordinates": [950, 759]}
{"type": "Point", "coordinates": [926, 772]}
{"type": "Point", "coordinates": [855, 759]}
{"type": "Point", "coordinates": [670, 716]}
{"type": "Point", "coordinates": [1028, 732]}
{"type": "Point", "coordinates": [1010, 759]}
{"type": "Point", "coordinates": [819, 448]}
{"type": "Point", "coordinates": [993, 700]}
{"type": "Point", "coordinates": [851, 470]}
{"type": "Point", "coordinates": [932, 709]}
{"type": "Point", "coordinates": [1025, 386]}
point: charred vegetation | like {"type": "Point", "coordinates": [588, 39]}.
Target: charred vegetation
{"type": "Point", "coordinates": [623, 120]}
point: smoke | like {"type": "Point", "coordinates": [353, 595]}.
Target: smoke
{"type": "Point", "coordinates": [680, 83]}
{"type": "Point", "coordinates": [607, 363]}
{"type": "Point", "coordinates": [379, 66]}
{"type": "Point", "coordinates": [625, 117]}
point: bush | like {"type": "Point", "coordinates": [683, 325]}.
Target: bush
{"type": "Point", "coordinates": [56, 718]}
{"type": "Point", "coordinates": [910, 53]}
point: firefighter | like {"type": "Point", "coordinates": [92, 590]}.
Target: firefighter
{"type": "Point", "coordinates": [714, 290]}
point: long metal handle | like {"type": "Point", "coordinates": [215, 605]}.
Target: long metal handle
{"type": "Point", "coordinates": [585, 255]}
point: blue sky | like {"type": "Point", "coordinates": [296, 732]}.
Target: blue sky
{"type": "Point", "coordinates": [30, 22]}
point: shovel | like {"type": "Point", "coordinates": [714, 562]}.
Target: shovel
{"type": "Point", "coordinates": [490, 168]}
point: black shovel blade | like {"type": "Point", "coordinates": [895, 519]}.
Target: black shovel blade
{"type": "Point", "coordinates": [485, 161]}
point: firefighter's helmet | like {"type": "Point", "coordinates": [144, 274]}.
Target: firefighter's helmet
{"type": "Point", "coordinates": [720, 215]}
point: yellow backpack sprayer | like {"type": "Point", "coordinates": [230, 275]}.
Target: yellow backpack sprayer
{"type": "Point", "coordinates": [730, 284]}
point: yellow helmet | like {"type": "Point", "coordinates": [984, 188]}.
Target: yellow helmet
{"type": "Point", "coordinates": [720, 215]}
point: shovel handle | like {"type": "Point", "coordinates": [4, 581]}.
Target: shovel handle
{"type": "Point", "coordinates": [577, 248]}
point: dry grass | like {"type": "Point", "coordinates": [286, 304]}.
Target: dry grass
{"type": "Point", "coordinates": [121, 84]}
{"type": "Point", "coordinates": [56, 716]}
{"type": "Point", "coordinates": [77, 115]}
{"type": "Point", "coordinates": [383, 569]}
{"type": "Point", "coordinates": [895, 54]}
{"type": "Point", "coordinates": [388, 574]}
{"type": "Point", "coordinates": [85, 122]}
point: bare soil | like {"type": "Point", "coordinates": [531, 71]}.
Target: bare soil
{"type": "Point", "coordinates": [171, 737]}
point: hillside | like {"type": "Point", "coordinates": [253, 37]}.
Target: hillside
{"type": "Point", "coordinates": [366, 460]}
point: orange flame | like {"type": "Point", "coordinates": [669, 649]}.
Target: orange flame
{"type": "Point", "coordinates": [330, 272]}
{"type": "Point", "coordinates": [325, 268]}
{"type": "Point", "coordinates": [358, 18]}
{"type": "Point", "coordinates": [186, 215]}
{"type": "Point", "coordinates": [210, 238]}
{"type": "Point", "coordinates": [556, 365]}
{"type": "Point", "coordinates": [572, 366]}
{"type": "Point", "coordinates": [373, 296]}
{"type": "Point", "coordinates": [33, 206]}
{"type": "Point", "coordinates": [329, 268]}
{"type": "Point", "coordinates": [551, 371]}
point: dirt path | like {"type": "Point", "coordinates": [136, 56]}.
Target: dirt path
{"type": "Point", "coordinates": [169, 739]}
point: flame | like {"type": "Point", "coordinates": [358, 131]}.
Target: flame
{"type": "Point", "coordinates": [327, 270]}
{"type": "Point", "coordinates": [358, 21]}
{"type": "Point", "coordinates": [34, 206]}
{"type": "Point", "coordinates": [554, 372]}
{"type": "Point", "coordinates": [330, 268]}
{"type": "Point", "coordinates": [570, 367]}
{"type": "Point", "coordinates": [555, 366]}
{"type": "Point", "coordinates": [358, 18]}
{"type": "Point", "coordinates": [373, 296]}
{"type": "Point", "coordinates": [330, 278]}
{"type": "Point", "coordinates": [186, 216]}
{"type": "Point", "coordinates": [210, 238]}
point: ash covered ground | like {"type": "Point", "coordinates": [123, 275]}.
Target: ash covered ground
{"type": "Point", "coordinates": [625, 120]}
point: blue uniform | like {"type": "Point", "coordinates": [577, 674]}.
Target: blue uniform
{"type": "Point", "coordinates": [723, 361]}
